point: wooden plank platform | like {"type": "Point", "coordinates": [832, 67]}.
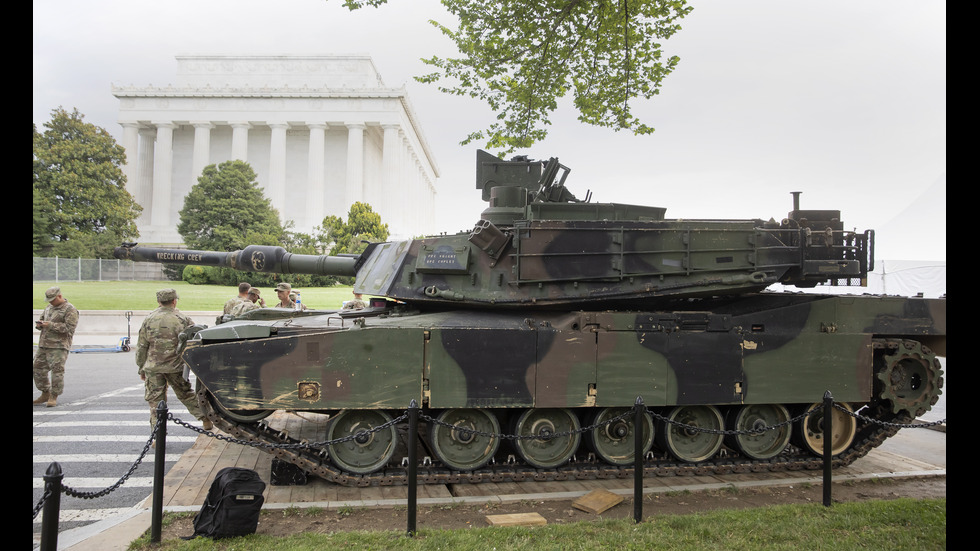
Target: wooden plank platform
{"type": "Point", "coordinates": [597, 501]}
{"type": "Point", "coordinates": [187, 482]}
{"type": "Point", "coordinates": [517, 519]}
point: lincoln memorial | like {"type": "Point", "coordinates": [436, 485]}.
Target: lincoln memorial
{"type": "Point", "coordinates": [321, 132]}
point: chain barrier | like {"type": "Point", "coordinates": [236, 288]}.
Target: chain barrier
{"type": "Point", "coordinates": [857, 415]}
{"type": "Point", "coordinates": [724, 432]}
{"type": "Point", "coordinates": [40, 503]}
{"type": "Point", "coordinates": [628, 413]}
{"type": "Point", "coordinates": [464, 431]}
{"type": "Point", "coordinates": [300, 446]}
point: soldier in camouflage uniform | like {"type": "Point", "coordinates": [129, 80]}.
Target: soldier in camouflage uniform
{"type": "Point", "coordinates": [243, 288]}
{"type": "Point", "coordinates": [253, 301]}
{"type": "Point", "coordinates": [355, 303]}
{"type": "Point", "coordinates": [57, 325]}
{"type": "Point", "coordinates": [158, 357]}
{"type": "Point", "coordinates": [287, 298]}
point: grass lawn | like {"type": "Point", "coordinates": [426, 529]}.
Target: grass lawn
{"type": "Point", "coordinates": [141, 295]}
{"type": "Point", "coordinates": [901, 524]}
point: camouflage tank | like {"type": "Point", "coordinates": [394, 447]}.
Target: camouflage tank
{"type": "Point", "coordinates": [554, 314]}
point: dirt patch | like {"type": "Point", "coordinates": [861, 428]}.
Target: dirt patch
{"type": "Point", "coordinates": [457, 515]}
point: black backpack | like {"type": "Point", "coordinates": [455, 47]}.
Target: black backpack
{"type": "Point", "coordinates": [232, 506]}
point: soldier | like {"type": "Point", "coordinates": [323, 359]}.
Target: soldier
{"type": "Point", "coordinates": [57, 326]}
{"type": "Point", "coordinates": [158, 357]}
{"type": "Point", "coordinates": [252, 301]}
{"type": "Point", "coordinates": [286, 300]}
{"type": "Point", "coordinates": [243, 288]}
{"type": "Point", "coordinates": [356, 303]}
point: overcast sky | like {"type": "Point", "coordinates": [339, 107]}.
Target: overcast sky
{"type": "Point", "coordinates": [843, 100]}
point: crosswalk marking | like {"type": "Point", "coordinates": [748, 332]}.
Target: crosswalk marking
{"type": "Point", "coordinates": [87, 515]}
{"type": "Point", "coordinates": [99, 482]}
{"type": "Point", "coordinates": [100, 458]}
{"type": "Point", "coordinates": [107, 438]}
{"type": "Point", "coordinates": [140, 411]}
{"type": "Point", "coordinates": [145, 424]}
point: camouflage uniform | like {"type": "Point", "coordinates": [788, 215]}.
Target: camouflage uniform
{"type": "Point", "coordinates": [232, 304]}
{"type": "Point", "coordinates": [288, 302]}
{"type": "Point", "coordinates": [159, 361]}
{"type": "Point", "coordinates": [54, 344]}
{"type": "Point", "coordinates": [245, 306]}
{"type": "Point", "coordinates": [355, 303]}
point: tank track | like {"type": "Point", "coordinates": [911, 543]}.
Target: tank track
{"type": "Point", "coordinates": [869, 436]}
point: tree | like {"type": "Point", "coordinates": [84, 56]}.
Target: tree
{"type": "Point", "coordinates": [42, 222]}
{"type": "Point", "coordinates": [522, 56]}
{"type": "Point", "coordinates": [363, 224]}
{"type": "Point", "coordinates": [226, 211]}
{"type": "Point", "coordinates": [81, 206]}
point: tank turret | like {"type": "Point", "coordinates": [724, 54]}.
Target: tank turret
{"type": "Point", "coordinates": [537, 244]}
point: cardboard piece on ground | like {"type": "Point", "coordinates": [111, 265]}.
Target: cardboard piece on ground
{"type": "Point", "coordinates": [597, 501]}
{"type": "Point", "coordinates": [517, 519]}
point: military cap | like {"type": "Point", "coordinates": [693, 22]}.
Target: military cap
{"type": "Point", "coordinates": [52, 293]}
{"type": "Point", "coordinates": [254, 291]}
{"type": "Point", "coordinates": [284, 287]}
{"type": "Point", "coordinates": [166, 295]}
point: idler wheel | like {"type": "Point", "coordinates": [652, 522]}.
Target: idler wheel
{"type": "Point", "coordinates": [548, 450]}
{"type": "Point", "coordinates": [613, 443]}
{"type": "Point", "coordinates": [809, 433]}
{"type": "Point", "coordinates": [755, 417]}
{"type": "Point", "coordinates": [365, 451]}
{"type": "Point", "coordinates": [910, 379]}
{"type": "Point", "coordinates": [239, 415]}
{"type": "Point", "coordinates": [460, 444]}
{"type": "Point", "coordinates": [687, 443]}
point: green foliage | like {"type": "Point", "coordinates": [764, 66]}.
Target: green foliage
{"type": "Point", "coordinates": [521, 57]}
{"type": "Point", "coordinates": [81, 206]}
{"type": "Point", "coordinates": [43, 225]}
{"type": "Point", "coordinates": [195, 275]}
{"type": "Point", "coordinates": [226, 211]}
{"type": "Point", "coordinates": [363, 224]}
{"type": "Point", "coordinates": [141, 295]}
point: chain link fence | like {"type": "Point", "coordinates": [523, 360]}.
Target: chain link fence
{"type": "Point", "coordinates": [95, 269]}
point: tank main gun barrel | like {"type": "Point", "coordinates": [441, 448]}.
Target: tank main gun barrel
{"type": "Point", "coordinates": [254, 258]}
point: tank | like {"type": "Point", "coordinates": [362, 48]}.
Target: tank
{"type": "Point", "coordinates": [550, 319]}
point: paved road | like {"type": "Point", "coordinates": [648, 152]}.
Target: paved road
{"type": "Point", "coordinates": [96, 433]}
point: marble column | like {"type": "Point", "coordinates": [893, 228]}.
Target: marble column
{"type": "Point", "coordinates": [276, 187]}
{"type": "Point", "coordinates": [391, 157]}
{"type": "Point", "coordinates": [355, 163]}
{"type": "Point", "coordinates": [144, 173]}
{"type": "Point", "coordinates": [130, 143]}
{"type": "Point", "coordinates": [315, 174]}
{"type": "Point", "coordinates": [162, 174]}
{"type": "Point", "coordinates": [239, 140]}
{"type": "Point", "coordinates": [202, 149]}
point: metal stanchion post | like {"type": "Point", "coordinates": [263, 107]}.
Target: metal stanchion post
{"type": "Point", "coordinates": [413, 437]}
{"type": "Point", "coordinates": [828, 445]}
{"type": "Point", "coordinates": [52, 507]}
{"type": "Point", "coordinates": [159, 462]}
{"type": "Point", "coordinates": [638, 411]}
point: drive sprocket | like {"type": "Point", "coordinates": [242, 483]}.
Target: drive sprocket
{"type": "Point", "coordinates": [910, 377]}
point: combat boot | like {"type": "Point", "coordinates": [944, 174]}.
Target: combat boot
{"type": "Point", "coordinates": [41, 399]}
{"type": "Point", "coordinates": [52, 401]}
{"type": "Point", "coordinates": [207, 424]}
